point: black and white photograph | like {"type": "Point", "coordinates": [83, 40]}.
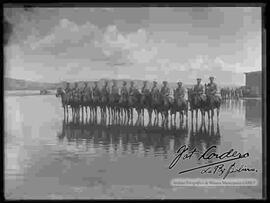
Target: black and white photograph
{"type": "Point", "coordinates": [133, 101]}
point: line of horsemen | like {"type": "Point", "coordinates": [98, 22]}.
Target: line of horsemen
{"type": "Point", "coordinates": [232, 93]}
{"type": "Point", "coordinates": [200, 97]}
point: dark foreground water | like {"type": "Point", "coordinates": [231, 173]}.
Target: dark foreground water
{"type": "Point", "coordinates": [46, 157]}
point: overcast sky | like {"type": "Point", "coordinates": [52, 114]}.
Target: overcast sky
{"type": "Point", "coordinates": [56, 44]}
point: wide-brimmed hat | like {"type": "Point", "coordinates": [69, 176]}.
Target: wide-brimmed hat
{"type": "Point", "coordinates": [211, 77]}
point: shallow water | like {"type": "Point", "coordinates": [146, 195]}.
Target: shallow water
{"type": "Point", "coordinates": [46, 157]}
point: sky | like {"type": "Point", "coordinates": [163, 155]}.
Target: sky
{"type": "Point", "coordinates": [147, 43]}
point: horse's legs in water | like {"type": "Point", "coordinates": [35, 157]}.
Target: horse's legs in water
{"type": "Point", "coordinates": [150, 116]}
{"type": "Point", "coordinates": [212, 113]}
{"type": "Point", "coordinates": [217, 114]}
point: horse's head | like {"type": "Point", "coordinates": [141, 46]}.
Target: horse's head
{"type": "Point", "coordinates": [59, 92]}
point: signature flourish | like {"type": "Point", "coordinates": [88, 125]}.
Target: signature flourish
{"type": "Point", "coordinates": [185, 152]}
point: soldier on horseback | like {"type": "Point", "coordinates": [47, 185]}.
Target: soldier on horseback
{"type": "Point", "coordinates": [180, 91]}
{"type": "Point", "coordinates": [75, 92]}
{"type": "Point", "coordinates": [155, 91]}
{"type": "Point", "coordinates": [180, 104]}
{"type": "Point", "coordinates": [114, 96]}
{"type": "Point", "coordinates": [114, 91]}
{"type": "Point", "coordinates": [198, 89]}
{"type": "Point", "coordinates": [68, 92]}
{"type": "Point", "coordinates": [145, 91]}
{"type": "Point", "coordinates": [105, 90]}
{"type": "Point", "coordinates": [213, 100]}
{"type": "Point", "coordinates": [96, 96]}
{"type": "Point", "coordinates": [211, 88]}
{"type": "Point", "coordinates": [124, 92]}
{"type": "Point", "coordinates": [67, 89]}
{"type": "Point", "coordinates": [132, 89]}
{"type": "Point", "coordinates": [165, 90]}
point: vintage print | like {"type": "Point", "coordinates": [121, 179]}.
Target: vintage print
{"type": "Point", "coordinates": [133, 102]}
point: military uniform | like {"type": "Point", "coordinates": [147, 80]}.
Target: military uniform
{"type": "Point", "coordinates": [198, 89]}
{"type": "Point", "coordinates": [75, 94]}
{"type": "Point", "coordinates": [67, 89]}
{"type": "Point", "coordinates": [96, 94]}
{"type": "Point", "coordinates": [124, 94]}
{"type": "Point", "coordinates": [145, 90]}
{"type": "Point", "coordinates": [155, 92]}
{"type": "Point", "coordinates": [165, 91]}
{"type": "Point", "coordinates": [132, 91]}
{"type": "Point", "coordinates": [124, 91]}
{"type": "Point", "coordinates": [115, 90]}
{"type": "Point", "coordinates": [105, 91]}
{"type": "Point", "coordinates": [211, 89]}
{"type": "Point", "coordinates": [179, 92]}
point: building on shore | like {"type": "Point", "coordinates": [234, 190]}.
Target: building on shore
{"type": "Point", "coordinates": [254, 83]}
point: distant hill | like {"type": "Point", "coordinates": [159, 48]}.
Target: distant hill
{"type": "Point", "coordinates": [17, 84]}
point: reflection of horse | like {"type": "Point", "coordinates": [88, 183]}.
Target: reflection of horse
{"type": "Point", "coordinates": [128, 136]}
{"type": "Point", "coordinates": [204, 137]}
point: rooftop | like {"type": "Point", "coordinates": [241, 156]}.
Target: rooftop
{"type": "Point", "coordinates": [253, 72]}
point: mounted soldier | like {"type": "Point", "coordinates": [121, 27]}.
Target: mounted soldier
{"type": "Point", "coordinates": [145, 90]}
{"type": "Point", "coordinates": [180, 104]}
{"type": "Point", "coordinates": [68, 92]}
{"type": "Point", "coordinates": [76, 92]}
{"type": "Point", "coordinates": [211, 88]}
{"type": "Point", "coordinates": [114, 95]}
{"type": "Point", "coordinates": [132, 89]}
{"type": "Point", "coordinates": [105, 91]}
{"type": "Point", "coordinates": [155, 100]}
{"type": "Point", "coordinates": [165, 94]}
{"type": "Point", "coordinates": [199, 90]}
{"type": "Point", "coordinates": [96, 94]}
{"type": "Point", "coordinates": [179, 92]}
{"type": "Point", "coordinates": [124, 93]}
{"type": "Point", "coordinates": [213, 100]}
{"type": "Point", "coordinates": [67, 88]}
{"type": "Point", "coordinates": [155, 91]}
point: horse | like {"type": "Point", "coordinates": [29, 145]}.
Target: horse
{"type": "Point", "coordinates": [156, 102]}
{"type": "Point", "coordinates": [114, 105]}
{"type": "Point", "coordinates": [197, 102]}
{"type": "Point", "coordinates": [213, 102]}
{"type": "Point", "coordinates": [123, 104]}
{"type": "Point", "coordinates": [133, 102]}
{"type": "Point", "coordinates": [145, 103]}
{"type": "Point", "coordinates": [180, 105]}
{"type": "Point", "coordinates": [64, 99]}
{"type": "Point", "coordinates": [166, 104]}
{"type": "Point", "coordinates": [104, 104]}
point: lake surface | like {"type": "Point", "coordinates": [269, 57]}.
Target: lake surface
{"type": "Point", "coordinates": [47, 158]}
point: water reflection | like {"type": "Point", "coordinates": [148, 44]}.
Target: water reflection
{"type": "Point", "coordinates": [250, 109]}
{"type": "Point", "coordinates": [147, 141]}
{"type": "Point", "coordinates": [253, 113]}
